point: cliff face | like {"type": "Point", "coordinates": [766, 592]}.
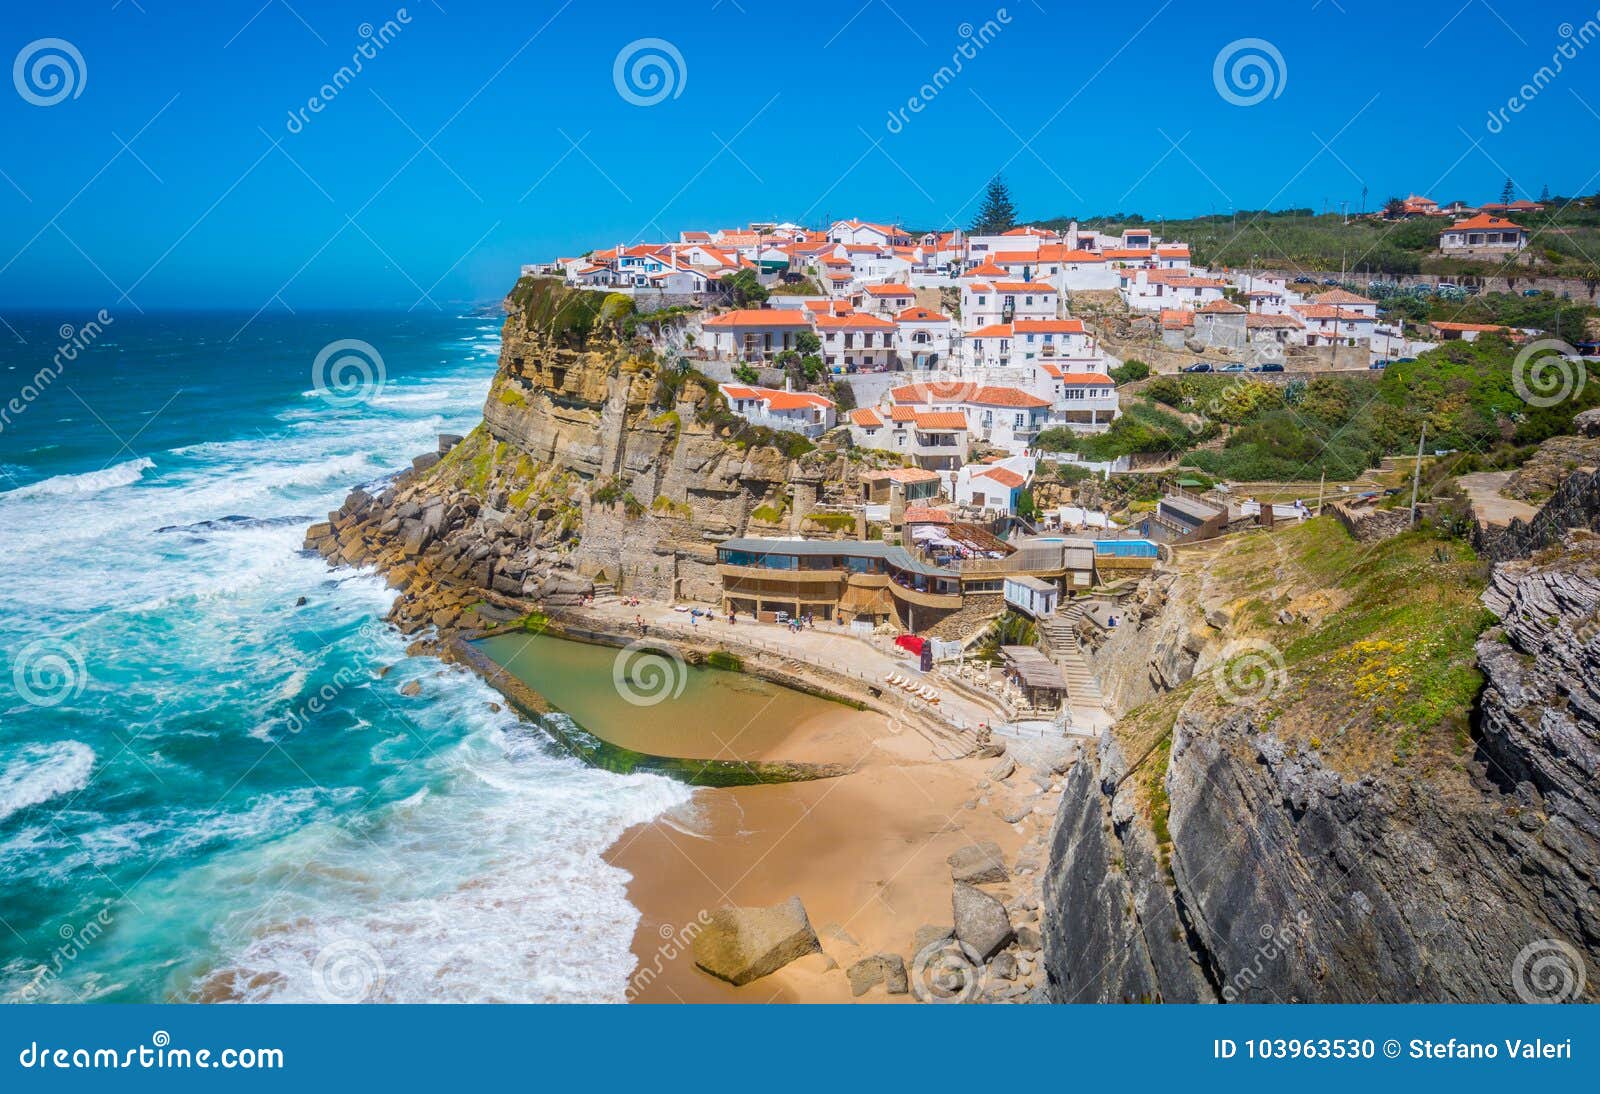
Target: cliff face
{"type": "Point", "coordinates": [1308, 814]}
{"type": "Point", "coordinates": [596, 461]}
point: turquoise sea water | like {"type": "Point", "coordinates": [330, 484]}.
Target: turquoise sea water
{"type": "Point", "coordinates": [207, 791]}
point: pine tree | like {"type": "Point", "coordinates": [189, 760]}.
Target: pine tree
{"type": "Point", "coordinates": [1544, 194]}
{"type": "Point", "coordinates": [1507, 192]}
{"type": "Point", "coordinates": [997, 214]}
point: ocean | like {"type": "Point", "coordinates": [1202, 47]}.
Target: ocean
{"type": "Point", "coordinates": [209, 790]}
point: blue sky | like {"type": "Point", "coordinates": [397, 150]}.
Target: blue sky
{"type": "Point", "coordinates": [487, 134]}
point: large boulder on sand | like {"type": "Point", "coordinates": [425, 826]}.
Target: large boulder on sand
{"type": "Point", "coordinates": [888, 969]}
{"type": "Point", "coordinates": [745, 944]}
{"type": "Point", "coordinates": [982, 924]}
{"type": "Point", "coordinates": [979, 864]}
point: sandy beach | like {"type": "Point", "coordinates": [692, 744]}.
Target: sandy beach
{"type": "Point", "coordinates": [865, 853]}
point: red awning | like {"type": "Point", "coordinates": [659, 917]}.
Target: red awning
{"type": "Point", "coordinates": [911, 642]}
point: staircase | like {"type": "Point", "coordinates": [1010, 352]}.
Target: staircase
{"type": "Point", "coordinates": [1059, 636]}
{"type": "Point", "coordinates": [604, 592]}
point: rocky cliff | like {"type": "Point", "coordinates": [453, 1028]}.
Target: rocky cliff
{"type": "Point", "coordinates": [598, 460]}
{"type": "Point", "coordinates": [1343, 772]}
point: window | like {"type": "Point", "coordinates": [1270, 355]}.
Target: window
{"type": "Point", "coordinates": [1018, 421]}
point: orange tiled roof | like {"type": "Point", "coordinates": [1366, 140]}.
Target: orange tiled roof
{"type": "Point", "coordinates": [890, 290]}
{"type": "Point", "coordinates": [760, 317]}
{"type": "Point", "coordinates": [922, 514]}
{"type": "Point", "coordinates": [918, 314]}
{"type": "Point", "coordinates": [941, 419]}
{"type": "Point", "coordinates": [1484, 220]}
{"type": "Point", "coordinates": [1220, 307]}
{"type": "Point", "coordinates": [1002, 475]}
{"type": "Point", "coordinates": [865, 416]}
{"type": "Point", "coordinates": [1098, 379]}
{"type": "Point", "coordinates": [1340, 296]}
{"type": "Point", "coordinates": [1049, 326]}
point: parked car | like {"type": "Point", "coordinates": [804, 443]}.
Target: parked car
{"type": "Point", "coordinates": [1330, 280]}
{"type": "Point", "coordinates": [1203, 366]}
{"type": "Point", "coordinates": [1235, 367]}
{"type": "Point", "coordinates": [1530, 292]}
{"type": "Point", "coordinates": [1270, 366]}
{"type": "Point", "coordinates": [1380, 364]}
{"type": "Point", "coordinates": [1302, 280]}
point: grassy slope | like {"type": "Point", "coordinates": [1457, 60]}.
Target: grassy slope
{"type": "Point", "coordinates": [1379, 673]}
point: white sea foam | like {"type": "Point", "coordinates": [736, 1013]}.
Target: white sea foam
{"type": "Point", "coordinates": [87, 482]}
{"type": "Point", "coordinates": [37, 773]}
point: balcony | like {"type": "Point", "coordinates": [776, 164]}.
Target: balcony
{"type": "Point", "coordinates": [727, 570]}
{"type": "Point", "coordinates": [942, 601]}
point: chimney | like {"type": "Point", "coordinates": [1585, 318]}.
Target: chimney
{"type": "Point", "coordinates": [788, 382]}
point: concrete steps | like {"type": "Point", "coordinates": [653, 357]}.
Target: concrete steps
{"type": "Point", "coordinates": [1060, 639]}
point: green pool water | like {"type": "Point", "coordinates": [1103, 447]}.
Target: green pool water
{"type": "Point", "coordinates": [651, 703]}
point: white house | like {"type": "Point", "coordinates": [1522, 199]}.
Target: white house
{"type": "Point", "coordinates": [865, 232]}
{"type": "Point", "coordinates": [856, 341]}
{"type": "Point", "coordinates": [922, 337]}
{"type": "Point", "coordinates": [794, 411]}
{"type": "Point", "coordinates": [888, 299]}
{"type": "Point", "coordinates": [987, 302]}
{"type": "Point", "coordinates": [1052, 340]}
{"type": "Point", "coordinates": [754, 334]}
{"type": "Point", "coordinates": [932, 439]}
{"type": "Point", "coordinates": [1005, 417]}
{"type": "Point", "coordinates": [1483, 234]}
{"type": "Point", "coordinates": [1088, 402]}
{"type": "Point", "coordinates": [993, 487]}
{"type": "Point", "coordinates": [1031, 595]}
{"type": "Point", "coordinates": [1327, 324]}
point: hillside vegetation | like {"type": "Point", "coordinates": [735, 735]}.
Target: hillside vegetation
{"type": "Point", "coordinates": [1338, 424]}
{"type": "Point", "coordinates": [1566, 240]}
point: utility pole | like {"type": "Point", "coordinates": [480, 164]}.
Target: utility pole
{"type": "Point", "coordinates": [1322, 487]}
{"type": "Point", "coordinates": [1416, 474]}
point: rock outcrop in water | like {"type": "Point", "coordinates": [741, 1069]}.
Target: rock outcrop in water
{"type": "Point", "coordinates": [597, 461]}
{"type": "Point", "coordinates": [1272, 850]}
